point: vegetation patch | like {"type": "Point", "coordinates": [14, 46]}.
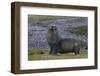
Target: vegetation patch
{"type": "Point", "coordinates": [82, 30]}
{"type": "Point", "coordinates": [43, 54]}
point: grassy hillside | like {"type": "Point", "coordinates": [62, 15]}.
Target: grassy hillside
{"type": "Point", "coordinates": [47, 17]}
{"type": "Point", "coordinates": [79, 30]}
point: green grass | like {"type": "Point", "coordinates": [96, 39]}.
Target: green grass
{"type": "Point", "coordinates": [47, 17]}
{"type": "Point", "coordinates": [82, 30]}
{"type": "Point", "coordinates": [43, 54]}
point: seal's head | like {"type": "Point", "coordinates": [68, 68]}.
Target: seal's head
{"type": "Point", "coordinates": [53, 28]}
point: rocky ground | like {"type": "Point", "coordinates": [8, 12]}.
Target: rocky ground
{"type": "Point", "coordinates": [37, 29]}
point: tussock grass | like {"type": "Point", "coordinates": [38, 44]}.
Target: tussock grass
{"type": "Point", "coordinates": [43, 54]}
